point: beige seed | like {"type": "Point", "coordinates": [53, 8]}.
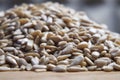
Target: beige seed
{"type": "Point", "coordinates": [11, 60]}
{"type": "Point", "coordinates": [1, 52]}
{"type": "Point", "coordinates": [116, 66]}
{"type": "Point", "coordinates": [74, 69]}
{"type": "Point", "coordinates": [39, 67]}
{"type": "Point", "coordinates": [82, 45]}
{"type": "Point", "coordinates": [28, 67]}
{"type": "Point", "coordinates": [100, 62]}
{"type": "Point", "coordinates": [107, 68]}
{"type": "Point", "coordinates": [64, 62]}
{"type": "Point", "coordinates": [50, 67]}
{"type": "Point", "coordinates": [4, 69]}
{"type": "Point", "coordinates": [40, 70]}
{"type": "Point", "coordinates": [95, 54]}
{"type": "Point", "coordinates": [92, 68]}
{"type": "Point", "coordinates": [60, 68]}
{"type": "Point", "coordinates": [32, 54]}
{"type": "Point", "coordinates": [35, 61]}
{"type": "Point", "coordinates": [22, 61]}
{"type": "Point", "coordinates": [77, 60]}
{"type": "Point", "coordinates": [89, 61]}
{"type": "Point", "coordinates": [62, 57]}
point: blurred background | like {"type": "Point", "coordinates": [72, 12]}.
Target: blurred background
{"type": "Point", "coordinates": [101, 11]}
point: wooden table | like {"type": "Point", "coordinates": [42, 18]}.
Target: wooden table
{"type": "Point", "coordinates": [59, 76]}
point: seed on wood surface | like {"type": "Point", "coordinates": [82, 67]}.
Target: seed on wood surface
{"type": "Point", "coordinates": [100, 62]}
{"type": "Point", "coordinates": [39, 67]}
{"type": "Point", "coordinates": [4, 69]}
{"type": "Point", "coordinates": [22, 67]}
{"type": "Point", "coordinates": [74, 69]}
{"type": "Point", "coordinates": [117, 60]}
{"type": "Point", "coordinates": [50, 67]}
{"type": "Point", "coordinates": [14, 69]}
{"type": "Point", "coordinates": [40, 70]}
{"type": "Point", "coordinates": [92, 68]}
{"type": "Point", "coordinates": [107, 68]}
{"type": "Point", "coordinates": [28, 67]}
{"type": "Point", "coordinates": [60, 68]}
{"type": "Point", "coordinates": [55, 38]}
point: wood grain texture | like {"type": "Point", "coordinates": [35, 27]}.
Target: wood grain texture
{"type": "Point", "coordinates": [59, 76]}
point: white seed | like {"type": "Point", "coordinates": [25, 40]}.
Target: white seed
{"type": "Point", "coordinates": [22, 62]}
{"type": "Point", "coordinates": [50, 67]}
{"type": "Point", "coordinates": [4, 69]}
{"type": "Point", "coordinates": [77, 60]}
{"type": "Point", "coordinates": [17, 32]}
{"type": "Point", "coordinates": [102, 61]}
{"type": "Point", "coordinates": [116, 66]}
{"type": "Point", "coordinates": [74, 69]}
{"type": "Point", "coordinates": [28, 67]}
{"type": "Point", "coordinates": [107, 68]}
{"type": "Point", "coordinates": [95, 54]}
{"type": "Point", "coordinates": [92, 68]}
{"type": "Point", "coordinates": [89, 61]}
{"type": "Point", "coordinates": [60, 68]}
{"type": "Point", "coordinates": [1, 52]}
{"type": "Point", "coordinates": [39, 67]}
{"type": "Point", "coordinates": [11, 60]}
{"type": "Point", "coordinates": [82, 45]}
{"type": "Point", "coordinates": [35, 61]}
{"type": "Point", "coordinates": [62, 57]}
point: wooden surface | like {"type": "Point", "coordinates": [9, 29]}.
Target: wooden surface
{"type": "Point", "coordinates": [59, 76]}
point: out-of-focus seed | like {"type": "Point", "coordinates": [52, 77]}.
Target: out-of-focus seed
{"type": "Point", "coordinates": [60, 68]}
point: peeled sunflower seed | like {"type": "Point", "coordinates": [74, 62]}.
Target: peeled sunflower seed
{"type": "Point", "coordinates": [39, 67]}
{"type": "Point", "coordinates": [52, 37]}
{"type": "Point", "coordinates": [77, 60]}
{"type": "Point", "coordinates": [35, 61]}
{"type": "Point", "coordinates": [107, 68]}
{"type": "Point", "coordinates": [100, 62]}
{"type": "Point", "coordinates": [95, 54]}
{"type": "Point", "coordinates": [62, 57]}
{"type": "Point", "coordinates": [116, 66]}
{"type": "Point", "coordinates": [92, 68]}
{"type": "Point", "coordinates": [11, 60]}
{"type": "Point", "coordinates": [82, 45]}
{"type": "Point", "coordinates": [4, 69]}
{"type": "Point", "coordinates": [60, 68]}
{"type": "Point", "coordinates": [50, 67]}
{"type": "Point", "coordinates": [74, 69]}
{"type": "Point", "coordinates": [89, 61]}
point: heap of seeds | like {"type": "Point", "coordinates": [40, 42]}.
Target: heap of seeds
{"type": "Point", "coordinates": [51, 37]}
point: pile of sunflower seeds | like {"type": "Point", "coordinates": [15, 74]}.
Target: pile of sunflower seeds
{"type": "Point", "coordinates": [52, 37]}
